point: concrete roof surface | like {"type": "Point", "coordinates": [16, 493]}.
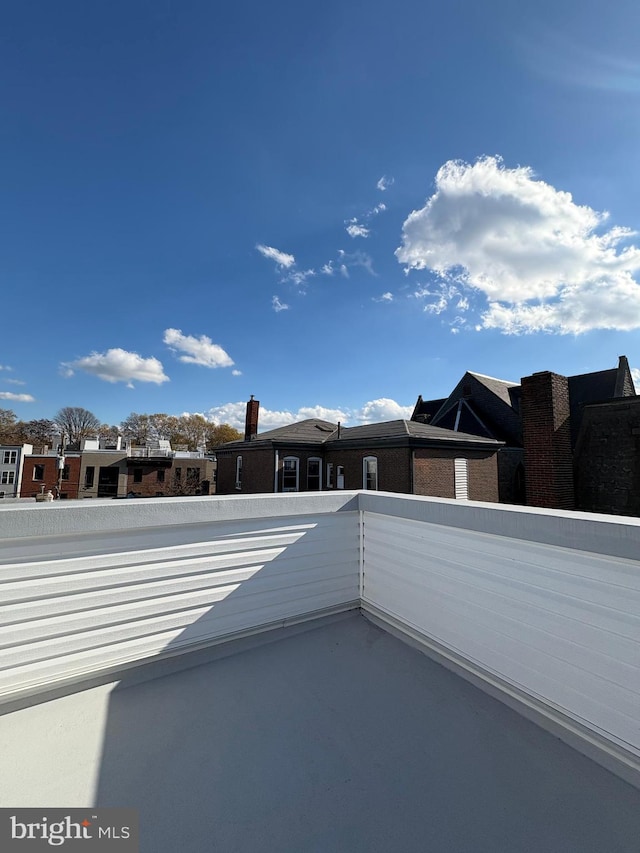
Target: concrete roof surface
{"type": "Point", "coordinates": [343, 739]}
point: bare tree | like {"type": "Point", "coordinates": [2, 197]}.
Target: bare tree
{"type": "Point", "coordinates": [76, 423]}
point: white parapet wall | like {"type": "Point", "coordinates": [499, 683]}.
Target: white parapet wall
{"type": "Point", "coordinates": [540, 607]}
{"type": "Point", "coordinates": [88, 589]}
{"type": "Point", "coordinates": [543, 606]}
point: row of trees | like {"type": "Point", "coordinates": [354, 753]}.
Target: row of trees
{"type": "Point", "coordinates": [76, 423]}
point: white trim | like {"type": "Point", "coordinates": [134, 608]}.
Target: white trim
{"type": "Point", "coordinates": [239, 472]}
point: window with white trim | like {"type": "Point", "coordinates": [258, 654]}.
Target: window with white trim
{"type": "Point", "coordinates": [340, 477]}
{"type": "Point", "coordinates": [370, 472]}
{"type": "Point", "coordinates": [329, 475]}
{"type": "Point", "coordinates": [8, 478]}
{"type": "Point", "coordinates": [461, 479]}
{"type": "Point", "coordinates": [314, 474]}
{"type": "Point", "coordinates": [38, 472]}
{"type": "Point", "coordinates": [290, 474]}
{"type": "Point", "coordinates": [10, 457]}
{"type": "Point", "coordinates": [238, 472]}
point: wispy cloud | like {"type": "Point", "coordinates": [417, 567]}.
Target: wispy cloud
{"type": "Point", "coordinates": [236, 373]}
{"type": "Point", "coordinates": [356, 259]}
{"type": "Point", "coordinates": [282, 259]}
{"type": "Point", "coordinates": [543, 262]}
{"type": "Point", "coordinates": [15, 381]}
{"type": "Point", "coordinates": [277, 305]}
{"type": "Point", "coordinates": [196, 350]}
{"type": "Point", "coordinates": [327, 269]}
{"type": "Point", "coordinates": [384, 297]}
{"type": "Point", "coordinates": [299, 277]}
{"type": "Point", "coordinates": [5, 367]}
{"type": "Point", "coordinates": [17, 398]}
{"type": "Point", "coordinates": [118, 365]}
{"type": "Point", "coordinates": [355, 229]}
{"type": "Point", "coordinates": [384, 183]}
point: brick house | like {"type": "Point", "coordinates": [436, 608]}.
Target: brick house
{"type": "Point", "coordinates": [553, 430]}
{"type": "Point", "coordinates": [396, 456]}
{"type": "Point", "coordinates": [41, 472]}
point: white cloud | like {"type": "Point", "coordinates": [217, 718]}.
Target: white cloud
{"type": "Point", "coordinates": [18, 398]}
{"type": "Point", "coordinates": [384, 183]}
{"type": "Point", "coordinates": [5, 367]}
{"type": "Point", "coordinates": [382, 409]}
{"type": "Point", "coordinates": [299, 276]}
{"type": "Point", "coordinates": [196, 350]}
{"type": "Point", "coordinates": [344, 272]}
{"type": "Point", "coordinates": [282, 259]}
{"type": "Point", "coordinates": [236, 373]}
{"type": "Point", "coordinates": [327, 269]}
{"type": "Point", "coordinates": [635, 375]}
{"type": "Point", "coordinates": [278, 306]}
{"type": "Point", "coordinates": [355, 229]}
{"type": "Point", "coordinates": [15, 381]}
{"type": "Point", "coordinates": [543, 262]}
{"type": "Point", "coordinates": [379, 208]}
{"type": "Point", "coordinates": [371, 412]}
{"type": "Point", "coordinates": [118, 365]}
{"type": "Point", "coordinates": [385, 297]}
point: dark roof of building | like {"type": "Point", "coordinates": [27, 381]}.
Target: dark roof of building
{"type": "Point", "coordinates": [425, 409]}
{"type": "Point", "coordinates": [502, 388]}
{"type": "Point", "coordinates": [310, 431]}
{"type": "Point", "coordinates": [408, 429]}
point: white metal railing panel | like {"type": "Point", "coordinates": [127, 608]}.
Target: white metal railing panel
{"type": "Point", "coordinates": [559, 624]}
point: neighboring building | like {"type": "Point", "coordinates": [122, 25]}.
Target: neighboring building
{"type": "Point", "coordinates": [41, 473]}
{"type": "Point", "coordinates": [396, 456]}
{"type": "Point", "coordinates": [158, 471]}
{"type": "Point", "coordinates": [103, 469]}
{"type": "Point", "coordinates": [11, 468]}
{"type": "Point", "coordinates": [540, 422]}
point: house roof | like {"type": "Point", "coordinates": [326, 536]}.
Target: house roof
{"type": "Point", "coordinates": [309, 431]}
{"type": "Point", "coordinates": [502, 388]}
{"type": "Point", "coordinates": [408, 429]}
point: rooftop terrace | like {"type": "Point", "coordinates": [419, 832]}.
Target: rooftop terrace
{"type": "Point", "coordinates": [266, 673]}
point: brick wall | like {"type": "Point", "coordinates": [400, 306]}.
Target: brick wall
{"type": "Point", "coordinates": [173, 479]}
{"type": "Point", "coordinates": [607, 469]}
{"type": "Point", "coordinates": [434, 473]}
{"type": "Point", "coordinates": [257, 470]}
{"type": "Point", "coordinates": [49, 480]}
{"type": "Point", "coordinates": [547, 441]}
{"type": "Point", "coordinates": [394, 467]}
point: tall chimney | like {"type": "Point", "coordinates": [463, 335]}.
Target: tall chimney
{"type": "Point", "coordinates": [546, 433]}
{"type": "Point", "coordinates": [251, 422]}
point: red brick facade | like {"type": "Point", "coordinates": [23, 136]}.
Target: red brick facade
{"type": "Point", "coordinates": [434, 474]}
{"type": "Point", "coordinates": [41, 471]}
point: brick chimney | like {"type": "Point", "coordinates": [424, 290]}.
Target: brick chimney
{"type": "Point", "coordinates": [546, 434]}
{"type": "Point", "coordinates": [251, 422]}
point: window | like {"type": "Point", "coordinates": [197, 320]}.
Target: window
{"type": "Point", "coordinates": [238, 472]}
{"type": "Point", "coordinates": [461, 479]}
{"type": "Point", "coordinates": [370, 472]}
{"type": "Point", "coordinates": [340, 477]}
{"type": "Point", "coordinates": [178, 473]}
{"type": "Point", "coordinates": [160, 475]}
{"type": "Point", "coordinates": [290, 474]}
{"type": "Point", "coordinates": [314, 474]}
{"type": "Point", "coordinates": [65, 472]}
{"type": "Point", "coordinates": [329, 475]}
{"type": "Point", "coordinates": [89, 475]}
{"type": "Point", "coordinates": [38, 472]}
{"type": "Point", "coordinates": [137, 475]}
{"type": "Point", "coordinates": [10, 457]}
{"type": "Point", "coordinates": [8, 478]}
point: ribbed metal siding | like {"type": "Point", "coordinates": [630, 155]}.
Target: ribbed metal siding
{"type": "Point", "coordinates": [558, 624]}
{"type": "Point", "coordinates": [461, 479]}
{"type": "Point", "coordinates": [113, 599]}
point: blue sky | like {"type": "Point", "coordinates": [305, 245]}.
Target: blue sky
{"type": "Point", "coordinates": [334, 207]}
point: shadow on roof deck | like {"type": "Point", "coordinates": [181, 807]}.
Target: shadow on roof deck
{"type": "Point", "coordinates": [343, 738]}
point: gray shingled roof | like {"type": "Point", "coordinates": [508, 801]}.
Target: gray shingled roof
{"type": "Point", "coordinates": [395, 429]}
{"type": "Point", "coordinates": [311, 431]}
